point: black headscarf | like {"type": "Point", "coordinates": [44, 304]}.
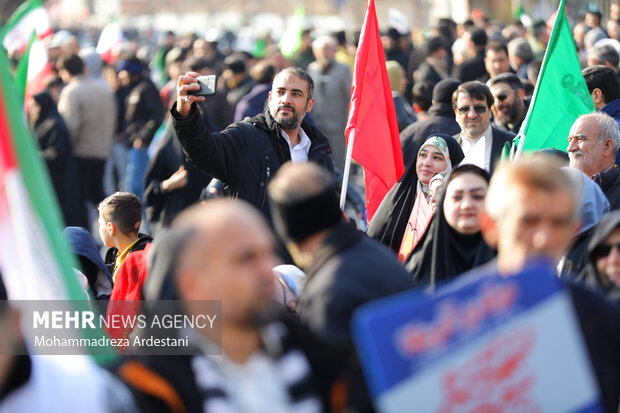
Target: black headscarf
{"type": "Point", "coordinates": [390, 220]}
{"type": "Point", "coordinates": [591, 276]}
{"type": "Point", "coordinates": [443, 252]}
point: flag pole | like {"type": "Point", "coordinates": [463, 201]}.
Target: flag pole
{"type": "Point", "coordinates": [347, 170]}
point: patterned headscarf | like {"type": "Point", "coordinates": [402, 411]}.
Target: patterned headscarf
{"type": "Point", "coordinates": [439, 143]}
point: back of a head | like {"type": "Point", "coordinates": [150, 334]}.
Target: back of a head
{"type": "Point", "coordinates": [124, 209]}
{"type": "Point", "coordinates": [235, 64]}
{"type": "Point", "coordinates": [263, 72]}
{"type": "Point", "coordinates": [603, 78]}
{"type": "Point", "coordinates": [604, 53]}
{"type": "Point", "coordinates": [396, 75]}
{"type": "Point", "coordinates": [478, 36]}
{"type": "Point", "coordinates": [422, 94]}
{"type": "Point", "coordinates": [302, 201]}
{"type": "Point", "coordinates": [521, 48]}
{"type": "Point", "coordinates": [72, 64]}
{"type": "Point", "coordinates": [540, 174]}
{"type": "Point", "coordinates": [443, 90]}
{"type": "Point", "coordinates": [435, 43]}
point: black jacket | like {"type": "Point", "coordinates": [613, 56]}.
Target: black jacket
{"type": "Point", "coordinates": [472, 69]}
{"type": "Point", "coordinates": [500, 137]}
{"type": "Point", "coordinates": [144, 112]}
{"type": "Point", "coordinates": [246, 155]}
{"type": "Point", "coordinates": [349, 270]}
{"type": "Point", "coordinates": [440, 120]}
{"type": "Point", "coordinates": [110, 255]}
{"type": "Point", "coordinates": [610, 184]}
{"type": "Point", "coordinates": [161, 207]}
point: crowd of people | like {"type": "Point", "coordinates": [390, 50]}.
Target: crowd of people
{"type": "Point", "coordinates": [144, 159]}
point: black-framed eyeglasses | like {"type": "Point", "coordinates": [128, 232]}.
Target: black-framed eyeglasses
{"type": "Point", "coordinates": [603, 250]}
{"type": "Point", "coordinates": [502, 96]}
{"type": "Point", "coordinates": [480, 108]}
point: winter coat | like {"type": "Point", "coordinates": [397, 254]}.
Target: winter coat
{"type": "Point", "coordinates": [246, 155]}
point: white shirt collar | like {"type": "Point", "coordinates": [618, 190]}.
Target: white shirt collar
{"type": "Point", "coordinates": [299, 153]}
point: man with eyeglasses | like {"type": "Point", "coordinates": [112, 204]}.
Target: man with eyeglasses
{"type": "Point", "coordinates": [593, 143]}
{"type": "Point", "coordinates": [482, 143]}
{"type": "Point", "coordinates": [510, 107]}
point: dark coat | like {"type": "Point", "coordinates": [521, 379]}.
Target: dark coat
{"type": "Point", "coordinates": [500, 138]}
{"type": "Point", "coordinates": [246, 155]}
{"type": "Point", "coordinates": [598, 320]}
{"type": "Point", "coordinates": [144, 112]}
{"type": "Point", "coordinates": [427, 73]}
{"type": "Point", "coordinates": [404, 117]}
{"type": "Point", "coordinates": [440, 120]}
{"type": "Point", "coordinates": [161, 207]}
{"type": "Point", "coordinates": [610, 184]}
{"type": "Point", "coordinates": [349, 270]}
{"type": "Point", "coordinates": [253, 103]}
{"type": "Point", "coordinates": [472, 69]}
{"type": "Point", "coordinates": [613, 110]}
{"type": "Point", "coordinates": [55, 148]}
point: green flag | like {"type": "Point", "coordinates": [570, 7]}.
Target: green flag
{"type": "Point", "coordinates": [560, 96]}
{"type": "Point", "coordinates": [291, 38]}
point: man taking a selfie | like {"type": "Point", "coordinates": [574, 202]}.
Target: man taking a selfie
{"type": "Point", "coordinates": [247, 154]}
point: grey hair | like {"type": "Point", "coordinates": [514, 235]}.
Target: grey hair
{"type": "Point", "coordinates": [608, 128]}
{"type": "Point", "coordinates": [520, 47]}
{"type": "Point", "coordinates": [604, 53]}
{"type": "Point", "coordinates": [324, 40]}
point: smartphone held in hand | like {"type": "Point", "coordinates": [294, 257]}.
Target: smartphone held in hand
{"type": "Point", "coordinates": [207, 86]}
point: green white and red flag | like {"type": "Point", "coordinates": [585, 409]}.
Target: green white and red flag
{"type": "Point", "coordinates": [32, 70]}
{"type": "Point", "coordinates": [30, 16]}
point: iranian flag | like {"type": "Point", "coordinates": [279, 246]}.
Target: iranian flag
{"type": "Point", "coordinates": [33, 69]}
{"type": "Point", "coordinates": [34, 256]}
{"type": "Point", "coordinates": [111, 36]}
{"type": "Point", "coordinates": [30, 16]}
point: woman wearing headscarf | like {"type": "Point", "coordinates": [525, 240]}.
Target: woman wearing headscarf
{"type": "Point", "coordinates": [453, 243]}
{"type": "Point", "coordinates": [55, 147]}
{"type": "Point", "coordinates": [593, 205]}
{"type": "Point", "coordinates": [439, 154]}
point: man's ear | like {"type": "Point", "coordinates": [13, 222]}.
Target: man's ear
{"type": "Point", "coordinates": [597, 95]}
{"type": "Point", "coordinates": [521, 94]}
{"type": "Point", "coordinates": [309, 105]}
{"type": "Point", "coordinates": [489, 229]}
{"type": "Point", "coordinates": [608, 147]}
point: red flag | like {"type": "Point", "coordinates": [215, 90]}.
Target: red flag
{"type": "Point", "coordinates": [419, 219]}
{"type": "Point", "coordinates": [372, 116]}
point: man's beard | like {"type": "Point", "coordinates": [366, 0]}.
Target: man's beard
{"type": "Point", "coordinates": [509, 117]}
{"type": "Point", "coordinates": [289, 122]}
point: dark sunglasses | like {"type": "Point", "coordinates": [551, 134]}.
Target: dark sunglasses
{"type": "Point", "coordinates": [603, 250]}
{"type": "Point", "coordinates": [502, 96]}
{"type": "Point", "coordinates": [463, 110]}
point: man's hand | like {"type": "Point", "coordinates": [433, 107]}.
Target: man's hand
{"type": "Point", "coordinates": [186, 83]}
{"type": "Point", "coordinates": [177, 180]}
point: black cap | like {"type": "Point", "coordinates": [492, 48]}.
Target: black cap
{"type": "Point", "coordinates": [442, 93]}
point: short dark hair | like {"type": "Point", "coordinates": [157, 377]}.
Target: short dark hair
{"type": "Point", "coordinates": [603, 78]}
{"type": "Point", "coordinates": [435, 43]}
{"type": "Point", "coordinates": [476, 90]}
{"type": "Point", "coordinates": [422, 94]}
{"type": "Point", "coordinates": [510, 79]}
{"type": "Point", "coordinates": [124, 210]}
{"type": "Point", "coordinates": [72, 64]}
{"type": "Point", "coordinates": [478, 36]}
{"type": "Point", "coordinates": [302, 74]}
{"type": "Point", "coordinates": [497, 46]}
